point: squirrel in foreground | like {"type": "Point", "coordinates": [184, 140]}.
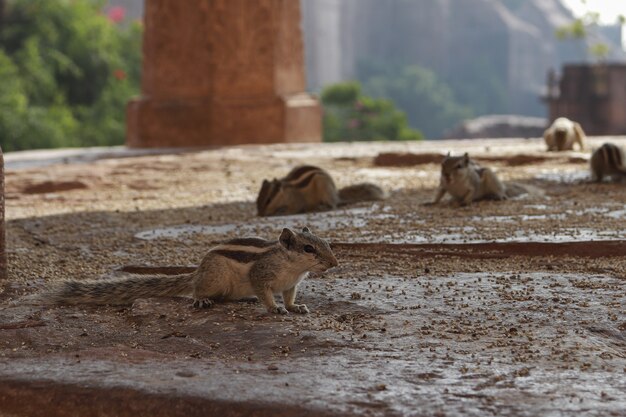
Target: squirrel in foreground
{"type": "Point", "coordinates": [563, 134]}
{"type": "Point", "coordinates": [607, 161]}
{"type": "Point", "coordinates": [309, 188]}
{"type": "Point", "coordinates": [234, 270]}
{"type": "Point", "coordinates": [466, 181]}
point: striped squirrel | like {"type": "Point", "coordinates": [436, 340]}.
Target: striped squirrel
{"type": "Point", "coordinates": [607, 161]}
{"type": "Point", "coordinates": [233, 270]}
{"type": "Point", "coordinates": [309, 188]}
{"type": "Point", "coordinates": [563, 134]}
{"type": "Point", "coordinates": [466, 181]}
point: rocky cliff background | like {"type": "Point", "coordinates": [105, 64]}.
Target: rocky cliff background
{"type": "Point", "coordinates": [494, 55]}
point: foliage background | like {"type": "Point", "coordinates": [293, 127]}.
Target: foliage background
{"type": "Point", "coordinates": [67, 70]}
{"type": "Point", "coordinates": [351, 115]}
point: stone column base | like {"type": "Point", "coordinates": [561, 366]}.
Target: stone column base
{"type": "Point", "coordinates": [206, 122]}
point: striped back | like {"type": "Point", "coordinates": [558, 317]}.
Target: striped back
{"type": "Point", "coordinates": [297, 179]}
{"type": "Point", "coordinates": [612, 155]}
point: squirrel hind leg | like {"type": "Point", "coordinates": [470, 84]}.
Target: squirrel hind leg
{"type": "Point", "coordinates": [596, 176]}
{"type": "Point", "coordinates": [203, 303]}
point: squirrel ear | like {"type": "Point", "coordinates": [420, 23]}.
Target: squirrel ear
{"type": "Point", "coordinates": [466, 157]}
{"type": "Point", "coordinates": [287, 238]}
{"type": "Point", "coordinates": [306, 230]}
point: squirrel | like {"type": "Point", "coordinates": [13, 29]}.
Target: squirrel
{"type": "Point", "coordinates": [309, 188]}
{"type": "Point", "coordinates": [563, 134]}
{"type": "Point", "coordinates": [607, 161]}
{"type": "Point", "coordinates": [466, 181]}
{"type": "Point", "coordinates": [234, 270]}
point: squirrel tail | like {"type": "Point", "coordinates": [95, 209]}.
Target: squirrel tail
{"type": "Point", "coordinates": [360, 192]}
{"type": "Point", "coordinates": [514, 189]}
{"type": "Point", "coordinates": [118, 291]}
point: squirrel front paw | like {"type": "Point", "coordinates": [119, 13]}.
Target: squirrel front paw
{"type": "Point", "coordinates": [203, 303]}
{"type": "Point", "coordinates": [298, 308]}
{"type": "Point", "coordinates": [278, 310]}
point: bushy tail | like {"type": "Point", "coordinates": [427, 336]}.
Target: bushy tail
{"type": "Point", "coordinates": [360, 192]}
{"type": "Point", "coordinates": [123, 290]}
{"type": "Point", "coordinates": [514, 189]}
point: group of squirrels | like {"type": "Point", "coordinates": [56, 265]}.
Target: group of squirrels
{"type": "Point", "coordinates": [253, 267]}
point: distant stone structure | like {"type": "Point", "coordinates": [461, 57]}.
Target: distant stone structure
{"type": "Point", "coordinates": [222, 72]}
{"type": "Point", "coordinates": [592, 94]}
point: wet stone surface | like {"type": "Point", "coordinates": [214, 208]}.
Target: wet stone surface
{"type": "Point", "coordinates": [463, 344]}
{"type": "Point", "coordinates": [501, 308]}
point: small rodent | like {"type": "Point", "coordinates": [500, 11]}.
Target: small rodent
{"type": "Point", "coordinates": [607, 161]}
{"type": "Point", "coordinates": [234, 270]}
{"type": "Point", "coordinates": [563, 134]}
{"type": "Point", "coordinates": [466, 181]}
{"type": "Point", "coordinates": [309, 188]}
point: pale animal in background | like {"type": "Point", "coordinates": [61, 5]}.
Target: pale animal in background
{"type": "Point", "coordinates": [563, 134]}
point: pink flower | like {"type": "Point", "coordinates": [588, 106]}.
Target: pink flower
{"type": "Point", "coordinates": [119, 74]}
{"type": "Point", "coordinates": [116, 14]}
{"type": "Point", "coordinates": [354, 123]}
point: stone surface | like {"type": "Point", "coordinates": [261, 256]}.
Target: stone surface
{"type": "Point", "coordinates": [500, 308]}
{"type": "Point", "coordinates": [222, 72]}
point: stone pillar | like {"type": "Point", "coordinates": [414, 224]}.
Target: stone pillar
{"type": "Point", "coordinates": [3, 245]}
{"type": "Point", "coordinates": [222, 72]}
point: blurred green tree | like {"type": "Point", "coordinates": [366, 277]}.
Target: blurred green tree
{"type": "Point", "coordinates": [351, 116]}
{"type": "Point", "coordinates": [72, 69]}
{"type": "Point", "coordinates": [581, 28]}
{"type": "Point", "coordinates": [429, 103]}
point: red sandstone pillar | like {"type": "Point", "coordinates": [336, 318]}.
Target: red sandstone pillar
{"type": "Point", "coordinates": [222, 72]}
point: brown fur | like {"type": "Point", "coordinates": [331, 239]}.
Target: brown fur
{"type": "Point", "coordinates": [607, 161]}
{"type": "Point", "coordinates": [236, 269]}
{"type": "Point", "coordinates": [308, 188]}
{"type": "Point", "coordinates": [466, 181]}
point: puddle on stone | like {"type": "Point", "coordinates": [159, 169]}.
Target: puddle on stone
{"type": "Point", "coordinates": [617, 214]}
{"type": "Point", "coordinates": [404, 231]}
{"type": "Point", "coordinates": [453, 235]}
{"type": "Point", "coordinates": [555, 216]}
{"type": "Point", "coordinates": [537, 206]}
{"type": "Point", "coordinates": [353, 218]}
{"type": "Point", "coordinates": [382, 173]}
{"type": "Point", "coordinates": [517, 219]}
{"type": "Point", "coordinates": [471, 235]}
{"type": "Point", "coordinates": [571, 177]}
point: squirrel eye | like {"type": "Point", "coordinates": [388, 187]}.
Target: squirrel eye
{"type": "Point", "coordinates": [459, 166]}
{"type": "Point", "coordinates": [309, 249]}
